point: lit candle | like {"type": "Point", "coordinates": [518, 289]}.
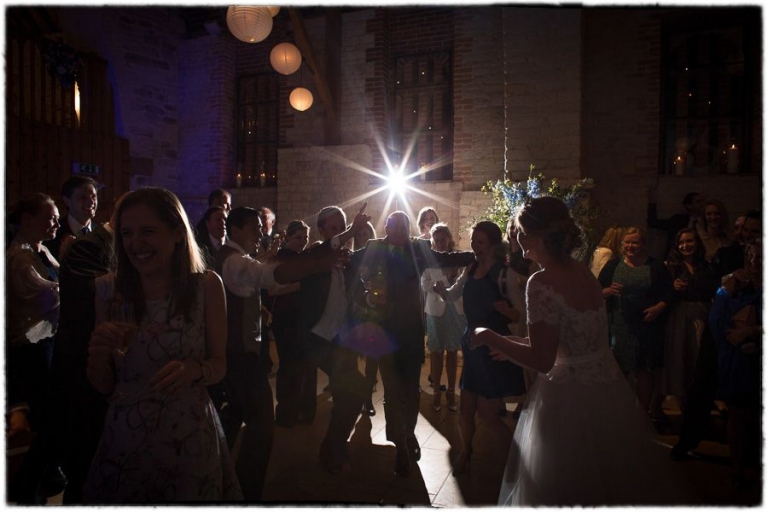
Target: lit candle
{"type": "Point", "coordinates": [239, 180]}
{"type": "Point", "coordinates": [679, 165]}
{"type": "Point", "coordinates": [262, 179]}
{"type": "Point", "coordinates": [423, 171]}
{"type": "Point", "coordinates": [733, 159]}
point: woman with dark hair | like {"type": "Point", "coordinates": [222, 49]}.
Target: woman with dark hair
{"type": "Point", "coordinates": [561, 455]}
{"type": "Point", "coordinates": [695, 283]}
{"type": "Point", "coordinates": [159, 341]}
{"type": "Point", "coordinates": [484, 382]}
{"type": "Point", "coordinates": [714, 231]}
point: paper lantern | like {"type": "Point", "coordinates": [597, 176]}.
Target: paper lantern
{"type": "Point", "coordinates": [248, 23]}
{"type": "Point", "coordinates": [273, 10]}
{"type": "Point", "coordinates": [301, 99]}
{"type": "Point", "coordinates": [285, 58]}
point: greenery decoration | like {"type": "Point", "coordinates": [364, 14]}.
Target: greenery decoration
{"type": "Point", "coordinates": [63, 62]}
{"type": "Point", "coordinates": [508, 196]}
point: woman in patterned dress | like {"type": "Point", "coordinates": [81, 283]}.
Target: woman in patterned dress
{"type": "Point", "coordinates": [162, 441]}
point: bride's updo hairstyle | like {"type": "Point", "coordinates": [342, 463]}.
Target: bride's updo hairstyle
{"type": "Point", "coordinates": [549, 219]}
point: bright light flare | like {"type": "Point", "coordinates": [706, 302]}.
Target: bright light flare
{"type": "Point", "coordinates": [397, 182]}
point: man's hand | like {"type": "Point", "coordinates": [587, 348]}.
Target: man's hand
{"type": "Point", "coordinates": [361, 220]}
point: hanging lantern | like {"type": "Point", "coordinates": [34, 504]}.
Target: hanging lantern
{"type": "Point", "coordinates": [300, 99]}
{"type": "Point", "coordinates": [248, 23]}
{"type": "Point", "coordinates": [273, 10]}
{"type": "Point", "coordinates": [285, 58]}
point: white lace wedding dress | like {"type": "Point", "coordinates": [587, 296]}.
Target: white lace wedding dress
{"type": "Point", "coordinates": [582, 438]}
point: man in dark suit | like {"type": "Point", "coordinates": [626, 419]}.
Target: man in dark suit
{"type": "Point", "coordinates": [218, 197]}
{"type": "Point", "coordinates": [214, 236]}
{"type": "Point", "coordinates": [80, 196]}
{"type": "Point", "coordinates": [693, 202]}
{"type": "Point", "coordinates": [81, 408]}
{"type": "Point", "coordinates": [730, 258]}
{"type": "Point", "coordinates": [322, 299]}
{"type": "Point", "coordinates": [386, 293]}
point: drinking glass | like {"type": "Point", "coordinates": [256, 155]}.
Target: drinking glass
{"type": "Point", "coordinates": [122, 313]}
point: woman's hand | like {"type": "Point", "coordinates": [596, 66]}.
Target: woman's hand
{"type": "Point", "coordinates": [740, 334]}
{"type": "Point", "coordinates": [175, 377]}
{"type": "Point", "coordinates": [503, 307]}
{"type": "Point", "coordinates": [680, 285]}
{"type": "Point", "coordinates": [498, 356]}
{"type": "Point", "coordinates": [18, 423]}
{"type": "Point", "coordinates": [439, 288]}
{"type": "Point", "coordinates": [653, 312]}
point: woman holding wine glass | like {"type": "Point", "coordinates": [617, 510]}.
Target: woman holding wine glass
{"type": "Point", "coordinates": [695, 284]}
{"type": "Point", "coordinates": [159, 341]}
{"type": "Point", "coordinates": [638, 292]}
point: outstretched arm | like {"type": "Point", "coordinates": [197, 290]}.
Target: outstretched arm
{"type": "Point", "coordinates": [536, 352]}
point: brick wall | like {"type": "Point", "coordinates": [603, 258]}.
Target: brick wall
{"type": "Point", "coordinates": [543, 91]}
{"type": "Point", "coordinates": [141, 48]}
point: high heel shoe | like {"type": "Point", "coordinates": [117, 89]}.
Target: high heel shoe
{"type": "Point", "coordinates": [461, 465]}
{"type": "Point", "coordinates": [451, 397]}
{"type": "Point", "coordinates": [436, 402]}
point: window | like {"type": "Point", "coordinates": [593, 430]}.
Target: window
{"type": "Point", "coordinates": [423, 117]}
{"type": "Point", "coordinates": [257, 130]}
{"type": "Point", "coordinates": [709, 86]}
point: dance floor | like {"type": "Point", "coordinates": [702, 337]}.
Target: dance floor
{"type": "Point", "coordinates": [295, 476]}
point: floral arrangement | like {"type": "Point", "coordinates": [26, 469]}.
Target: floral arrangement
{"type": "Point", "coordinates": [508, 196]}
{"type": "Point", "coordinates": [63, 62]}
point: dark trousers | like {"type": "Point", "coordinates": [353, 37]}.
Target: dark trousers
{"type": "Point", "coordinates": [249, 398]}
{"type": "Point", "coordinates": [346, 382]}
{"type": "Point", "coordinates": [701, 395]}
{"type": "Point", "coordinates": [371, 369]}
{"type": "Point", "coordinates": [296, 380]}
{"type": "Point", "coordinates": [400, 372]}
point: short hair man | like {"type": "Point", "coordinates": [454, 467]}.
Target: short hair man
{"type": "Point", "coordinates": [80, 196]}
{"type": "Point", "coordinates": [730, 258]}
{"type": "Point", "coordinates": [323, 306]}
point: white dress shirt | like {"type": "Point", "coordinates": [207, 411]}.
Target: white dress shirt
{"type": "Point", "coordinates": [243, 275]}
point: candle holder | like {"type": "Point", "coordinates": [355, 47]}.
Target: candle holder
{"type": "Point", "coordinates": [679, 165]}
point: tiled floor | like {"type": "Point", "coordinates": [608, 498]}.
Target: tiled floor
{"type": "Point", "coordinates": [296, 477]}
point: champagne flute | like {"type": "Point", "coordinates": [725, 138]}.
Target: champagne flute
{"type": "Point", "coordinates": [123, 314]}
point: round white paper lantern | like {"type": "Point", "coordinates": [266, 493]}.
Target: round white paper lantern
{"type": "Point", "coordinates": [285, 58]}
{"type": "Point", "coordinates": [273, 10]}
{"type": "Point", "coordinates": [301, 99]}
{"type": "Point", "coordinates": [248, 23]}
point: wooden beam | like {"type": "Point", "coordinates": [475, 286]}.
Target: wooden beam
{"type": "Point", "coordinates": [323, 90]}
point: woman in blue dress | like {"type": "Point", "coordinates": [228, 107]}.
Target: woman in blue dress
{"type": "Point", "coordinates": [484, 382]}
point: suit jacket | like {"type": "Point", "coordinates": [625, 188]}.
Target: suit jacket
{"type": "Point", "coordinates": [401, 269]}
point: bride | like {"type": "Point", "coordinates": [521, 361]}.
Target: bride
{"type": "Point", "coordinates": [581, 438]}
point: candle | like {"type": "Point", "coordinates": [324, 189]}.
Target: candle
{"type": "Point", "coordinates": [239, 180]}
{"type": "Point", "coordinates": [733, 159]}
{"type": "Point", "coordinates": [262, 179]}
{"type": "Point", "coordinates": [423, 171]}
{"type": "Point", "coordinates": [679, 165]}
